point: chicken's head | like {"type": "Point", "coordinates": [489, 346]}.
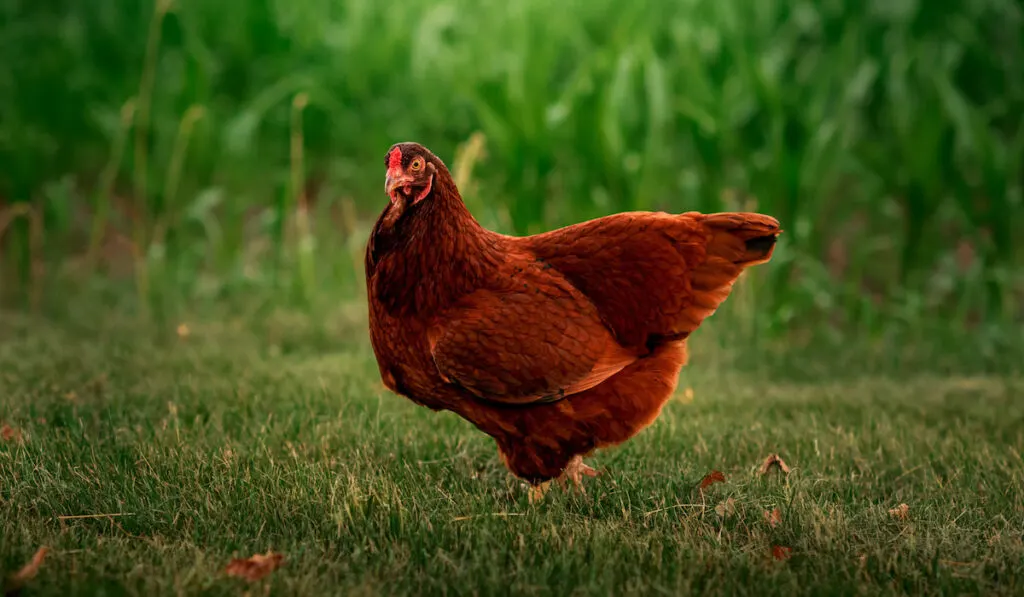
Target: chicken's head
{"type": "Point", "coordinates": [410, 174]}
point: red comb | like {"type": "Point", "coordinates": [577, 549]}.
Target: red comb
{"type": "Point", "coordinates": [395, 158]}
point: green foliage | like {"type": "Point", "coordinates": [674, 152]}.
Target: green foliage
{"type": "Point", "coordinates": [886, 136]}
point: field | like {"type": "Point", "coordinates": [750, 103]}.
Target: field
{"type": "Point", "coordinates": [224, 439]}
{"type": "Point", "coordinates": [186, 191]}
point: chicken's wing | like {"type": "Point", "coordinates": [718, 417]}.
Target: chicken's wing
{"type": "Point", "coordinates": [534, 339]}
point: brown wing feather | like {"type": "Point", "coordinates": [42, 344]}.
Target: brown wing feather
{"type": "Point", "coordinates": [537, 340]}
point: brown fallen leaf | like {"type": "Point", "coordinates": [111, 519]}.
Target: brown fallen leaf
{"type": "Point", "coordinates": [774, 460]}
{"type": "Point", "coordinates": [10, 434]}
{"type": "Point", "coordinates": [712, 478]}
{"type": "Point", "coordinates": [773, 518]}
{"type": "Point", "coordinates": [900, 511]}
{"type": "Point", "coordinates": [780, 552]}
{"type": "Point", "coordinates": [27, 572]}
{"type": "Point", "coordinates": [256, 567]}
{"type": "Point", "coordinates": [726, 508]}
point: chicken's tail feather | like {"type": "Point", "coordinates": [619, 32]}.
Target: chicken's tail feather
{"type": "Point", "coordinates": [735, 241]}
{"type": "Point", "coordinates": [762, 244]}
{"type": "Point", "coordinates": [744, 239]}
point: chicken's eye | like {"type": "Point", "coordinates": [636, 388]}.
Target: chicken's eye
{"type": "Point", "coordinates": [417, 164]}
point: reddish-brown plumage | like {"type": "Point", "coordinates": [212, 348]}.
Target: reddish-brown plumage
{"type": "Point", "coordinates": [553, 344]}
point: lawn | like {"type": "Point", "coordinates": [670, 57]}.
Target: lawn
{"type": "Point", "coordinates": [146, 462]}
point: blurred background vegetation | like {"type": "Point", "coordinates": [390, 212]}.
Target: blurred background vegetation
{"type": "Point", "coordinates": [201, 151]}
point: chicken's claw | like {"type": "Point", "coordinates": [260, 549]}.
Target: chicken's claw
{"type": "Point", "coordinates": [536, 492]}
{"type": "Point", "coordinates": [575, 471]}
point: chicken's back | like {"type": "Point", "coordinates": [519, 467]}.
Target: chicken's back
{"type": "Point", "coordinates": [654, 277]}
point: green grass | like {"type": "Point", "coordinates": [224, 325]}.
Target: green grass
{"type": "Point", "coordinates": [274, 432]}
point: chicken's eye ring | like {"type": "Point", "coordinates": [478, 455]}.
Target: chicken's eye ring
{"type": "Point", "coordinates": [417, 164]}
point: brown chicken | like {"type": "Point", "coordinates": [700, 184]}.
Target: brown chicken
{"type": "Point", "coordinates": [554, 344]}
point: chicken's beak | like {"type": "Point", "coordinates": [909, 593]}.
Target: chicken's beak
{"type": "Point", "coordinates": [393, 180]}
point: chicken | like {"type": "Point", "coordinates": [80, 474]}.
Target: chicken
{"type": "Point", "coordinates": [555, 344]}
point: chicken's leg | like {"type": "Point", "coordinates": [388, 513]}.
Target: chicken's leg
{"type": "Point", "coordinates": [537, 492]}
{"type": "Point", "coordinates": [575, 471]}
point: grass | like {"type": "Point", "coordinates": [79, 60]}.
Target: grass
{"type": "Point", "coordinates": [237, 434]}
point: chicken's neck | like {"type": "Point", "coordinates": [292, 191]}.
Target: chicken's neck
{"type": "Point", "coordinates": [434, 256]}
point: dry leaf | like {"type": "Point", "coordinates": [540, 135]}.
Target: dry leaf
{"type": "Point", "coordinates": [726, 508]}
{"type": "Point", "coordinates": [900, 511]}
{"type": "Point", "coordinates": [712, 478]}
{"type": "Point", "coordinates": [773, 518]}
{"type": "Point", "coordinates": [256, 567]}
{"type": "Point", "coordinates": [773, 460]}
{"type": "Point", "coordinates": [780, 552]}
{"type": "Point", "coordinates": [183, 330]}
{"type": "Point", "coordinates": [10, 434]}
{"type": "Point", "coordinates": [28, 571]}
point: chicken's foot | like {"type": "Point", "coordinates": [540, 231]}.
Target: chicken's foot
{"type": "Point", "coordinates": [536, 492]}
{"type": "Point", "coordinates": [574, 473]}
